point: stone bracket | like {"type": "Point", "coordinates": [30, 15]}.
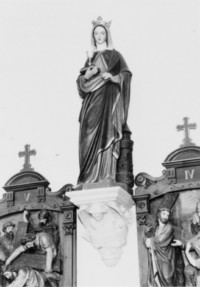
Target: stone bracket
{"type": "Point", "coordinates": [105, 214]}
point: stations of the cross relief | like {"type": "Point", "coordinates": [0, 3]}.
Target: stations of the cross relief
{"type": "Point", "coordinates": [117, 212]}
{"type": "Point", "coordinates": [30, 212]}
{"type": "Point", "coordinates": [168, 214]}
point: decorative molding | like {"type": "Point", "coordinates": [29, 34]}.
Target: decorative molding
{"type": "Point", "coordinates": [171, 175]}
{"type": "Point", "coordinates": [145, 180]}
{"type": "Point", "coordinates": [101, 194]}
{"type": "Point", "coordinates": [10, 199]}
{"type": "Point", "coordinates": [185, 153]}
{"type": "Point", "coordinates": [26, 180]}
{"type": "Point", "coordinates": [142, 207]}
{"type": "Point", "coordinates": [69, 228]}
{"type": "Point", "coordinates": [41, 194]}
{"type": "Point", "coordinates": [69, 219]}
{"type": "Point", "coordinates": [142, 203]}
{"type": "Point", "coordinates": [142, 218]}
{"type": "Point", "coordinates": [61, 193]}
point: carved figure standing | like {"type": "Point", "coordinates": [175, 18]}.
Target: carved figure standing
{"type": "Point", "coordinates": [6, 245]}
{"type": "Point", "coordinates": [104, 86]}
{"type": "Point", "coordinates": [7, 240]}
{"type": "Point", "coordinates": [162, 267]}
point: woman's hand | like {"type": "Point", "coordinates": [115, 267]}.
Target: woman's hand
{"type": "Point", "coordinates": [107, 76]}
{"type": "Point", "coordinates": [91, 71]}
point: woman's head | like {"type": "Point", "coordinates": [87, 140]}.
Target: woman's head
{"type": "Point", "coordinates": [101, 33]}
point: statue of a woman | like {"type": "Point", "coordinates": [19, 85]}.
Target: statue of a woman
{"type": "Point", "coordinates": [104, 86]}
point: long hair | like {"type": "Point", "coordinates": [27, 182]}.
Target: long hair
{"type": "Point", "coordinates": [159, 212]}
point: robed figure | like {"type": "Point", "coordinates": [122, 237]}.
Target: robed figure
{"type": "Point", "coordinates": [161, 254]}
{"type": "Point", "coordinates": [104, 86]}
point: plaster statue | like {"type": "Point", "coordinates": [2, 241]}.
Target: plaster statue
{"type": "Point", "coordinates": [104, 86]}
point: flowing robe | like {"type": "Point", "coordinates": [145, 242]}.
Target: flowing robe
{"type": "Point", "coordinates": [195, 246]}
{"type": "Point", "coordinates": [28, 277]}
{"type": "Point", "coordinates": [162, 258]}
{"type": "Point", "coordinates": [102, 117]}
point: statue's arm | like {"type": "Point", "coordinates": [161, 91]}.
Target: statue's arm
{"type": "Point", "coordinates": [49, 259]}
{"type": "Point", "coordinates": [15, 254]}
{"type": "Point", "coordinates": [47, 245]}
{"type": "Point", "coordinates": [119, 72]}
{"type": "Point", "coordinates": [165, 238]}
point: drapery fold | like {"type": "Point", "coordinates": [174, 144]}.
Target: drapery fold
{"type": "Point", "coordinates": [103, 114]}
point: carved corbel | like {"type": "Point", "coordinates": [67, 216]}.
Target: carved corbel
{"type": "Point", "coordinates": [142, 207]}
{"type": "Point", "coordinates": [106, 214]}
{"type": "Point", "coordinates": [107, 227]}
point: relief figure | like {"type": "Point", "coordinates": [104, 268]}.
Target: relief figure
{"type": "Point", "coordinates": [7, 240]}
{"type": "Point", "coordinates": [24, 277]}
{"type": "Point", "coordinates": [40, 249]}
{"type": "Point", "coordinates": [161, 254]}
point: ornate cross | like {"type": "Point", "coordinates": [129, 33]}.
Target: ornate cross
{"type": "Point", "coordinates": [186, 127]}
{"type": "Point", "coordinates": [27, 154]}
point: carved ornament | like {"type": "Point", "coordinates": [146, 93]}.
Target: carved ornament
{"type": "Point", "coordinates": [106, 214]}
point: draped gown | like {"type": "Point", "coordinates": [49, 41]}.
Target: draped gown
{"type": "Point", "coordinates": [102, 117]}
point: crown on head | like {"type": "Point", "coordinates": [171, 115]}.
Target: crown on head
{"type": "Point", "coordinates": [100, 21]}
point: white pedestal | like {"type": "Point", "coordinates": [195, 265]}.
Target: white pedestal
{"type": "Point", "coordinates": [109, 256]}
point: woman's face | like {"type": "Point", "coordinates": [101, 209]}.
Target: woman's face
{"type": "Point", "coordinates": [100, 35]}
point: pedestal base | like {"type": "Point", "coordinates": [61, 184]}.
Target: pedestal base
{"type": "Point", "coordinates": [107, 220]}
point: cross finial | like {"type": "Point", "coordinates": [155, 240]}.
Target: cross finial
{"type": "Point", "coordinates": [186, 127]}
{"type": "Point", "coordinates": [27, 154]}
